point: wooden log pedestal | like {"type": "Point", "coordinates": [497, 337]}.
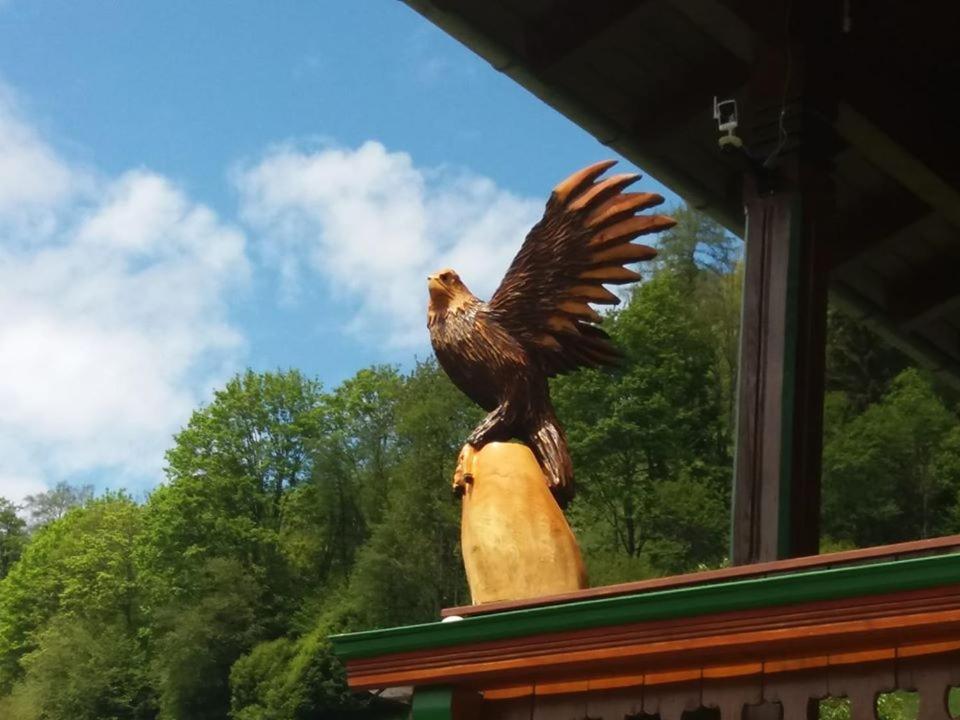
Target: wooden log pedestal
{"type": "Point", "coordinates": [516, 541]}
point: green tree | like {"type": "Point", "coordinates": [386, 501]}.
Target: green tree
{"type": "Point", "coordinates": [217, 577]}
{"type": "Point", "coordinates": [53, 504]}
{"type": "Point", "coordinates": [694, 244]}
{"type": "Point", "coordinates": [887, 470]}
{"type": "Point", "coordinates": [83, 669]}
{"type": "Point", "coordinates": [657, 418]}
{"type": "Point", "coordinates": [399, 436]}
{"type": "Point", "coordinates": [199, 638]}
{"type": "Point", "coordinates": [859, 363]}
{"type": "Point", "coordinates": [704, 258]}
{"type": "Point", "coordinates": [13, 535]}
{"type": "Point", "coordinates": [295, 679]}
{"type": "Point", "coordinates": [229, 470]}
{"type": "Point", "coordinates": [256, 429]}
{"type": "Point", "coordinates": [411, 568]}
{"type": "Point", "coordinates": [355, 455]}
{"type": "Point", "coordinates": [79, 567]}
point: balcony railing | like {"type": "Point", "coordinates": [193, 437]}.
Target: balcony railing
{"type": "Point", "coordinates": [749, 643]}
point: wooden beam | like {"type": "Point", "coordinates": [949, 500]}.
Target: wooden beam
{"type": "Point", "coordinates": [569, 27]}
{"type": "Point", "coordinates": [943, 366]}
{"type": "Point", "coordinates": [927, 293]}
{"type": "Point", "coordinates": [717, 20]}
{"type": "Point", "coordinates": [873, 222]}
{"type": "Point", "coordinates": [864, 134]}
{"type": "Point", "coordinates": [898, 80]}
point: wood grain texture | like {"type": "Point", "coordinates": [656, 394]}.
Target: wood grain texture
{"type": "Point", "coordinates": [776, 504]}
{"type": "Point", "coordinates": [539, 322]}
{"type": "Point", "coordinates": [516, 542]}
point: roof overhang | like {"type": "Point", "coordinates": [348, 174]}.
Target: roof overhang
{"type": "Point", "coordinates": [641, 75]}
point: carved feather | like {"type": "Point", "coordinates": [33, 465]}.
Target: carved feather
{"type": "Point", "coordinates": [582, 242]}
{"type": "Point", "coordinates": [603, 190]}
{"type": "Point", "coordinates": [581, 179]}
{"type": "Point", "coordinates": [621, 206]}
{"type": "Point", "coordinates": [611, 275]}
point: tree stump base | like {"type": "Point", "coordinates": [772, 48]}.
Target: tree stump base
{"type": "Point", "coordinates": [515, 539]}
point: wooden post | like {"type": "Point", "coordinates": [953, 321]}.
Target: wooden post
{"type": "Point", "coordinates": [780, 397]}
{"type": "Point", "coordinates": [790, 223]}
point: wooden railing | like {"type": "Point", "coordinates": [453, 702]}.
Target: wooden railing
{"type": "Point", "coordinates": [759, 643]}
{"type": "Point", "coordinates": [786, 695]}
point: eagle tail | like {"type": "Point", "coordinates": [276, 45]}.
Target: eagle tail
{"type": "Point", "coordinates": [549, 444]}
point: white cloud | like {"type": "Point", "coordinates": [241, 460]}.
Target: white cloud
{"type": "Point", "coordinates": [112, 314]}
{"type": "Point", "coordinates": [372, 225]}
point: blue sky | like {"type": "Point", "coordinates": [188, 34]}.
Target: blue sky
{"type": "Point", "coordinates": [191, 188]}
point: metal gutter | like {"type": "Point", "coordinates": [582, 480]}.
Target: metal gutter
{"type": "Point", "coordinates": [776, 591]}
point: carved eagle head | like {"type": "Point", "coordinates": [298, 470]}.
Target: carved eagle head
{"type": "Point", "coordinates": [447, 293]}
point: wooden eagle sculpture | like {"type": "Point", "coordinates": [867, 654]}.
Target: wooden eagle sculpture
{"type": "Point", "coordinates": [539, 322]}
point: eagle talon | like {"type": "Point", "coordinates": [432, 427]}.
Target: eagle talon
{"type": "Point", "coordinates": [463, 475]}
{"type": "Point", "coordinates": [460, 485]}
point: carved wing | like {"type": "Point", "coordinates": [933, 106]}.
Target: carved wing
{"type": "Point", "coordinates": [581, 243]}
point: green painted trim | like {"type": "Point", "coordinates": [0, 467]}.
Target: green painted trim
{"type": "Point", "coordinates": [753, 593]}
{"type": "Point", "coordinates": [432, 703]}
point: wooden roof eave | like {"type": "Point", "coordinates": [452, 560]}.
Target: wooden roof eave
{"type": "Point", "coordinates": [893, 138]}
{"type": "Point", "coordinates": [607, 132]}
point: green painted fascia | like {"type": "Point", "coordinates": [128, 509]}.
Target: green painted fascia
{"type": "Point", "coordinates": [778, 590]}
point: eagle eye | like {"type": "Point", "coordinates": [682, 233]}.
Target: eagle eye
{"type": "Point", "coordinates": [447, 276]}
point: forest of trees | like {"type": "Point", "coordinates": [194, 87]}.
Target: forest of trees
{"type": "Point", "coordinates": [292, 511]}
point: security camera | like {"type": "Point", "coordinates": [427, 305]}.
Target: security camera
{"type": "Point", "coordinates": [725, 113]}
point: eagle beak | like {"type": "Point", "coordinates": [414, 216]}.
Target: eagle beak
{"type": "Point", "coordinates": [434, 284]}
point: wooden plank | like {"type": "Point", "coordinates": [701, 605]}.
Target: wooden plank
{"type": "Point", "coordinates": [726, 640]}
{"type": "Point", "coordinates": [673, 660]}
{"type": "Point", "coordinates": [911, 138]}
{"type": "Point", "coordinates": [570, 27]}
{"type": "Point", "coordinates": [836, 559]}
{"type": "Point", "coordinates": [873, 222]}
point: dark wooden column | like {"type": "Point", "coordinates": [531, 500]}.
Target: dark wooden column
{"type": "Point", "coordinates": [790, 221]}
